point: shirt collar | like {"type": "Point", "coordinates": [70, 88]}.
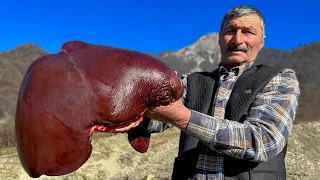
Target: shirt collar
{"type": "Point", "coordinates": [238, 70]}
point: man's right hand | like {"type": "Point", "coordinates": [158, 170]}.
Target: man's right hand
{"type": "Point", "coordinates": [175, 113]}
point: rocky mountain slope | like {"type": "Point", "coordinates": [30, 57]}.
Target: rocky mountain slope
{"type": "Point", "coordinates": [203, 55]}
{"type": "Point", "coordinates": [13, 65]}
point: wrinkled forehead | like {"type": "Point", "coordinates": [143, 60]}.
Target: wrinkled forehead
{"type": "Point", "coordinates": [251, 21]}
{"type": "Point", "coordinates": [247, 20]}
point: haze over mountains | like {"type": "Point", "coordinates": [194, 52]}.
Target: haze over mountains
{"type": "Point", "coordinates": [203, 55]}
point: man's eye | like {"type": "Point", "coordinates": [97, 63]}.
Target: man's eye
{"type": "Point", "coordinates": [231, 31]}
{"type": "Point", "coordinates": [248, 32]}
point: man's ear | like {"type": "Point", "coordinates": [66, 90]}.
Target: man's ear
{"type": "Point", "coordinates": [262, 42]}
{"type": "Point", "coordinates": [219, 38]}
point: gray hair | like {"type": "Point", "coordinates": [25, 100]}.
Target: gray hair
{"type": "Point", "coordinates": [244, 10]}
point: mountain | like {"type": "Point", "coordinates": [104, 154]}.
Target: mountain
{"type": "Point", "coordinates": [305, 60]}
{"type": "Point", "coordinates": [203, 55]}
{"type": "Point", "coordinates": [13, 65]}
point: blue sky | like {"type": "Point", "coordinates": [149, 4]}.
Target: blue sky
{"type": "Point", "coordinates": [146, 25]}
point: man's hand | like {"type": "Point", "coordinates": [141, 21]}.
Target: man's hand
{"type": "Point", "coordinates": [175, 113]}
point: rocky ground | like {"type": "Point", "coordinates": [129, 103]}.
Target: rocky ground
{"type": "Point", "coordinates": [114, 159]}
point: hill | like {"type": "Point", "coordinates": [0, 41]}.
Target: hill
{"type": "Point", "coordinates": [13, 65]}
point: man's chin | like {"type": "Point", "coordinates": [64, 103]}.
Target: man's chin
{"type": "Point", "coordinates": [235, 60]}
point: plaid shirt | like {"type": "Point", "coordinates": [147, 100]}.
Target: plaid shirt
{"type": "Point", "coordinates": [259, 138]}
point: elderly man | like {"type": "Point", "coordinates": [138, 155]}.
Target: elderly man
{"type": "Point", "coordinates": [236, 120]}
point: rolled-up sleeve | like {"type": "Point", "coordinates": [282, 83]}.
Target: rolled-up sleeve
{"type": "Point", "coordinates": [265, 131]}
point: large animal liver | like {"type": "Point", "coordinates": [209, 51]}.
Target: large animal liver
{"type": "Point", "coordinates": [64, 97]}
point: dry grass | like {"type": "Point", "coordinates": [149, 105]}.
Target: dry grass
{"type": "Point", "coordinates": [7, 137]}
{"type": "Point", "coordinates": [303, 159]}
{"type": "Point", "coordinates": [113, 158]}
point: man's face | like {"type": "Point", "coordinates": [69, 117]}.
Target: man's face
{"type": "Point", "coordinates": [240, 40]}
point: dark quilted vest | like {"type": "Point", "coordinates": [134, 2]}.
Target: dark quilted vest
{"type": "Point", "coordinates": [200, 96]}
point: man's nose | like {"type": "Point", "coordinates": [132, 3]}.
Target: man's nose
{"type": "Point", "coordinates": [238, 37]}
